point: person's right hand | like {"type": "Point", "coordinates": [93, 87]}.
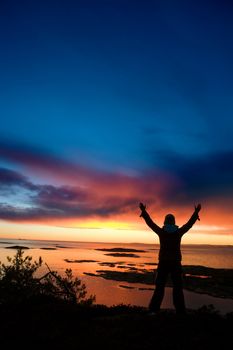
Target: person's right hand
{"type": "Point", "coordinates": [142, 206]}
{"type": "Point", "coordinates": [198, 208]}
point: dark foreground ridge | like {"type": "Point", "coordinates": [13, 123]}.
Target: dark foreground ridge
{"type": "Point", "coordinates": [48, 324]}
{"type": "Point", "coordinates": [55, 312]}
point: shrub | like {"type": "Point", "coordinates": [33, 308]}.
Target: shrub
{"type": "Point", "coordinates": [18, 282]}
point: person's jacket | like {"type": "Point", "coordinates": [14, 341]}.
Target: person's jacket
{"type": "Point", "coordinates": [169, 237]}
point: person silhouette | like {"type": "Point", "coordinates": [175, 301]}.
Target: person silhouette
{"type": "Point", "coordinates": [169, 258]}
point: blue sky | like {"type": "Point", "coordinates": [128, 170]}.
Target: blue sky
{"type": "Point", "coordinates": [120, 86]}
{"type": "Point", "coordinates": [114, 79]}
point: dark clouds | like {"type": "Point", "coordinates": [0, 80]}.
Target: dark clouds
{"type": "Point", "coordinates": [174, 180]}
{"type": "Point", "coordinates": [10, 178]}
{"type": "Point", "coordinates": [48, 194]}
{"type": "Point", "coordinates": [39, 160]}
{"type": "Point", "coordinates": [200, 178]}
{"type": "Point", "coordinates": [14, 213]}
{"type": "Point", "coordinates": [56, 202]}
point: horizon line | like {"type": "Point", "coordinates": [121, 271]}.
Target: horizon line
{"type": "Point", "coordinates": [142, 243]}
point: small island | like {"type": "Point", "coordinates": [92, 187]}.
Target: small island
{"type": "Point", "coordinates": [121, 250]}
{"type": "Point", "coordinates": [48, 248]}
{"type": "Point", "coordinates": [126, 255]}
{"type": "Point", "coordinates": [17, 247]}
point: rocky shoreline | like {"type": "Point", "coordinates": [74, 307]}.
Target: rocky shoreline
{"type": "Point", "coordinates": [199, 279]}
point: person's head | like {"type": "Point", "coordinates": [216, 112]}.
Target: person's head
{"type": "Point", "coordinates": [169, 219]}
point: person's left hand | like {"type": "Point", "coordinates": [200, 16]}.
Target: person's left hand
{"type": "Point", "coordinates": [142, 206]}
{"type": "Point", "coordinates": [197, 209]}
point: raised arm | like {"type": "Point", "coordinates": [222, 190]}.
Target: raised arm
{"type": "Point", "coordinates": [148, 219]}
{"type": "Point", "coordinates": [195, 216]}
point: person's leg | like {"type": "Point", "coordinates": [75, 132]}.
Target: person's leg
{"type": "Point", "coordinates": [178, 295]}
{"type": "Point", "coordinates": [158, 294]}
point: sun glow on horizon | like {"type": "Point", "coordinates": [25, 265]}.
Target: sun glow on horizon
{"type": "Point", "coordinates": [100, 224]}
{"type": "Point", "coordinates": [111, 232]}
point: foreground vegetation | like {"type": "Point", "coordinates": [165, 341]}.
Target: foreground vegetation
{"type": "Point", "coordinates": [49, 324]}
{"type": "Point", "coordinates": [18, 283]}
{"type": "Point", "coordinates": [53, 312]}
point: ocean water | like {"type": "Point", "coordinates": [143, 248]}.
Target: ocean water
{"type": "Point", "coordinates": [60, 255]}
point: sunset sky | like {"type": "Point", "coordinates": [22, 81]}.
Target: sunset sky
{"type": "Point", "coordinates": [105, 104]}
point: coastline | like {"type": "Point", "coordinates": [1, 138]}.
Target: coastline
{"type": "Point", "coordinates": [123, 272]}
